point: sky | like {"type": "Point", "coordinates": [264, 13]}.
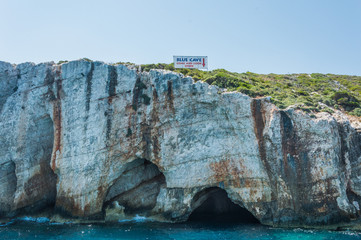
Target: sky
{"type": "Point", "coordinates": [261, 36]}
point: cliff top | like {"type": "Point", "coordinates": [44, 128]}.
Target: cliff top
{"type": "Point", "coordinates": [314, 92]}
{"type": "Point", "coordinates": [311, 93]}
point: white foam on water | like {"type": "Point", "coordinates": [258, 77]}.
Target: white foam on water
{"type": "Point", "coordinates": [137, 218]}
{"type": "Point", "coordinates": [7, 224]}
{"type": "Point", "coordinates": [37, 220]}
{"type": "Point", "coordinates": [59, 223]}
{"type": "Point", "coordinates": [351, 233]}
{"type": "Point", "coordinates": [303, 230]}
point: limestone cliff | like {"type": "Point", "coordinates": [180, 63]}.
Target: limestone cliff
{"type": "Point", "coordinates": [91, 140]}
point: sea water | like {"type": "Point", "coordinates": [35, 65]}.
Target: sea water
{"type": "Point", "coordinates": [139, 228]}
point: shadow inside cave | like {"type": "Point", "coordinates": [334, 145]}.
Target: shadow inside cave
{"type": "Point", "coordinates": [213, 205]}
{"type": "Point", "coordinates": [137, 187]}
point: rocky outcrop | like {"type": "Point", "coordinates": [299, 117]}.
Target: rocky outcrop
{"type": "Point", "coordinates": [96, 141]}
{"type": "Point", "coordinates": [27, 182]}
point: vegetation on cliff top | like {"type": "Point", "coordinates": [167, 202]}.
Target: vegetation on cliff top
{"type": "Point", "coordinates": [310, 92]}
{"type": "Point", "coordinates": [314, 92]}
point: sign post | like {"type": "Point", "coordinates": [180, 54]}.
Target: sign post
{"type": "Point", "coordinates": [198, 62]}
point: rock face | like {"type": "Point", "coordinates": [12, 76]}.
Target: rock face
{"type": "Point", "coordinates": [91, 140]}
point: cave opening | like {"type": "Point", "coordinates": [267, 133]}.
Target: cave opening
{"type": "Point", "coordinates": [137, 187]}
{"type": "Point", "coordinates": [213, 205]}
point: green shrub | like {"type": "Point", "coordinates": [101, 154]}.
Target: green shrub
{"type": "Point", "coordinates": [62, 61]}
{"type": "Point", "coordinates": [346, 100]}
{"type": "Point", "coordinates": [328, 110]}
{"type": "Point", "coordinates": [302, 93]}
{"type": "Point", "coordinates": [356, 112]}
{"type": "Point", "coordinates": [124, 63]}
{"type": "Point", "coordinates": [224, 80]}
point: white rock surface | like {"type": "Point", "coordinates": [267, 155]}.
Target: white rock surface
{"type": "Point", "coordinates": [82, 136]}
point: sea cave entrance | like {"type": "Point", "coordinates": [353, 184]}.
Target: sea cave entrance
{"type": "Point", "coordinates": [213, 205]}
{"type": "Point", "coordinates": [137, 187]}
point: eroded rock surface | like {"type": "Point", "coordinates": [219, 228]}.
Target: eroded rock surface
{"type": "Point", "coordinates": [86, 137]}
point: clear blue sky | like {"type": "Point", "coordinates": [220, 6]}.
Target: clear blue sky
{"type": "Point", "coordinates": [262, 36]}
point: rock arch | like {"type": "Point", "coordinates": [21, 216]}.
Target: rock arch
{"type": "Point", "coordinates": [213, 205]}
{"type": "Point", "coordinates": [136, 190]}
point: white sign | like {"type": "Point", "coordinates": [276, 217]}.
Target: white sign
{"type": "Point", "coordinates": [199, 62]}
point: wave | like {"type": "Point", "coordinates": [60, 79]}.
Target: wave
{"type": "Point", "coordinates": [7, 224]}
{"type": "Point", "coordinates": [137, 219]}
{"type": "Point", "coordinates": [60, 223]}
{"type": "Point", "coordinates": [32, 219]}
{"type": "Point", "coordinates": [26, 219]}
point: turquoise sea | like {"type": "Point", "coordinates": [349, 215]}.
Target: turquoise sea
{"type": "Point", "coordinates": [41, 228]}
